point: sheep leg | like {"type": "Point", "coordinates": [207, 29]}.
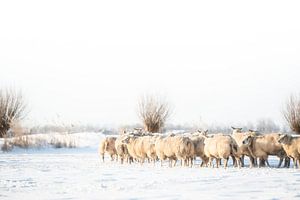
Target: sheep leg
{"type": "Point", "coordinates": [175, 163]}
{"type": "Point", "coordinates": [225, 163]}
{"type": "Point", "coordinates": [259, 163]}
{"type": "Point", "coordinates": [240, 164]}
{"type": "Point", "coordinates": [210, 162]}
{"type": "Point", "coordinates": [280, 163]}
{"type": "Point", "coordinates": [255, 161]}
{"type": "Point", "coordinates": [142, 161]}
{"type": "Point", "coordinates": [205, 161]}
{"type": "Point", "coordinates": [295, 163]}
{"type": "Point", "coordinates": [170, 162]}
{"type": "Point", "coordinates": [202, 164]}
{"type": "Point", "coordinates": [287, 162]}
{"type": "Point", "coordinates": [262, 162]}
{"type": "Point", "coordinates": [218, 162]}
{"type": "Point", "coordinates": [242, 160]}
{"type": "Point", "coordinates": [251, 162]}
{"type": "Point", "coordinates": [234, 161]}
{"type": "Point", "coordinates": [187, 161]}
{"type": "Point", "coordinates": [268, 164]}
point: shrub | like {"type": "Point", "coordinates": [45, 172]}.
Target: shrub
{"type": "Point", "coordinates": [153, 112]}
{"type": "Point", "coordinates": [291, 113]}
{"type": "Point", "coordinates": [12, 108]}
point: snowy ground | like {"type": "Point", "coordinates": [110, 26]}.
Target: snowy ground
{"type": "Point", "coordinates": [79, 174]}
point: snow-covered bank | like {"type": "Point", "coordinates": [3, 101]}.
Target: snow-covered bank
{"type": "Point", "coordinates": [83, 176]}
{"type": "Point", "coordinates": [78, 173]}
{"type": "Point", "coordinates": [54, 142]}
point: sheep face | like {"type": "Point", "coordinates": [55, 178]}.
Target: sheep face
{"type": "Point", "coordinates": [237, 130]}
{"type": "Point", "coordinates": [247, 141]}
{"type": "Point", "coordinates": [285, 139]}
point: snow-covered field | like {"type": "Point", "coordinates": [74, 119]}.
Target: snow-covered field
{"type": "Point", "coordinates": [79, 174]}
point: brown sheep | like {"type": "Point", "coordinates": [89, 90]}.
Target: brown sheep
{"type": "Point", "coordinates": [239, 137]}
{"type": "Point", "coordinates": [141, 147]}
{"type": "Point", "coordinates": [175, 147]}
{"type": "Point", "coordinates": [165, 148]}
{"type": "Point", "coordinates": [121, 149]}
{"type": "Point", "coordinates": [264, 145]}
{"type": "Point", "coordinates": [185, 150]}
{"type": "Point", "coordinates": [198, 141]}
{"type": "Point", "coordinates": [220, 147]}
{"type": "Point", "coordinates": [108, 146]}
{"type": "Point", "coordinates": [130, 141]}
{"type": "Point", "coordinates": [291, 146]}
{"type": "Point", "coordinates": [148, 145]}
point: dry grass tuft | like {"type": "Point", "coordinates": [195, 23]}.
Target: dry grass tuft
{"type": "Point", "coordinates": [63, 142]}
{"type": "Point", "coordinates": [56, 140]}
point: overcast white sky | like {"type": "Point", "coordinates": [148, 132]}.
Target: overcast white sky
{"type": "Point", "coordinates": [89, 61]}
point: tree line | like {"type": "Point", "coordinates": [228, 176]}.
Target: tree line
{"type": "Point", "coordinates": [153, 112]}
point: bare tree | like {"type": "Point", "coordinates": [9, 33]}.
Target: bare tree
{"type": "Point", "coordinates": [267, 126]}
{"type": "Point", "coordinates": [291, 113]}
{"type": "Point", "coordinates": [12, 108]}
{"type": "Point", "coordinates": [153, 112]}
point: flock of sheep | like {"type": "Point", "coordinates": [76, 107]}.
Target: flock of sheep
{"type": "Point", "coordinates": [139, 146]}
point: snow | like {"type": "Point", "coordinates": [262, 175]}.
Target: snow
{"type": "Point", "coordinates": [78, 173]}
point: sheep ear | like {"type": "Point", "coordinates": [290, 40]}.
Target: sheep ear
{"type": "Point", "coordinates": [289, 138]}
{"type": "Point", "coordinates": [206, 131]}
{"type": "Point", "coordinates": [251, 138]}
{"type": "Point", "coordinates": [233, 128]}
{"type": "Point", "coordinates": [199, 131]}
{"type": "Point", "coordinates": [282, 137]}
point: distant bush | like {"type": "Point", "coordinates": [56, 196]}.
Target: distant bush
{"type": "Point", "coordinates": [67, 128]}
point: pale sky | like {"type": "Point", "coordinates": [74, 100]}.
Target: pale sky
{"type": "Point", "coordinates": [89, 61]}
